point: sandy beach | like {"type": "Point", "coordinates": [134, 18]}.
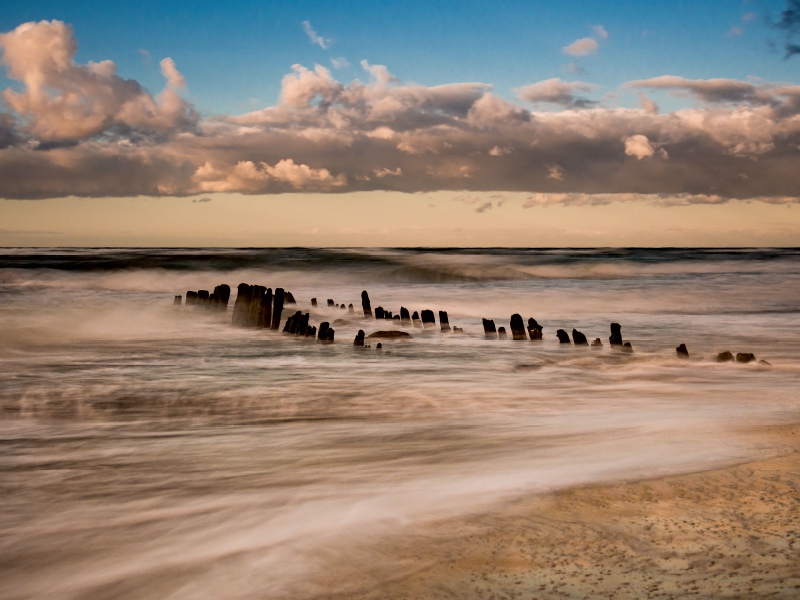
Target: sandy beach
{"type": "Point", "coordinates": [728, 533]}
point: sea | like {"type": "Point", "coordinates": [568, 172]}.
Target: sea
{"type": "Point", "coordinates": [152, 451]}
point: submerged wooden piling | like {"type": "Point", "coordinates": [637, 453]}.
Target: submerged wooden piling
{"type": "Point", "coordinates": [517, 327]}
{"type": "Point", "coordinates": [365, 305]}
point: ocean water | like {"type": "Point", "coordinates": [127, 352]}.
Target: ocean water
{"type": "Point", "coordinates": [150, 451]}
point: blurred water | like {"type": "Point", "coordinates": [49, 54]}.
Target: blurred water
{"type": "Point", "coordinates": [150, 451]}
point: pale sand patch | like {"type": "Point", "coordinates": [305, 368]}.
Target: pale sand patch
{"type": "Point", "coordinates": [727, 533]}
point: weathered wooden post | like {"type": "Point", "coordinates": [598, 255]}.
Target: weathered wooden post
{"type": "Point", "coordinates": [428, 319]}
{"type": "Point", "coordinates": [177, 300]}
{"type": "Point", "coordinates": [241, 307]}
{"type": "Point", "coordinates": [563, 336]}
{"type": "Point", "coordinates": [534, 329]}
{"type": "Point", "coordinates": [365, 305]}
{"type": "Point", "coordinates": [265, 310]}
{"type": "Point", "coordinates": [517, 328]}
{"type": "Point", "coordinates": [277, 309]}
{"type": "Point", "coordinates": [444, 322]}
{"type": "Point", "coordinates": [489, 328]}
{"type": "Point", "coordinates": [578, 338]}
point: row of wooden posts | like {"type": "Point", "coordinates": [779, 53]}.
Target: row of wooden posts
{"type": "Point", "coordinates": [257, 306]}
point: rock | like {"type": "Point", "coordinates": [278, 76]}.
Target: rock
{"type": "Point", "coordinates": [241, 307]}
{"type": "Point", "coordinates": [289, 298]}
{"type": "Point", "coordinates": [379, 312]}
{"type": "Point", "coordinates": [416, 320]}
{"type": "Point", "coordinates": [359, 341]}
{"type": "Point", "coordinates": [578, 338]}
{"type": "Point", "coordinates": [379, 347]}
{"type": "Point", "coordinates": [177, 301]}
{"type": "Point", "coordinates": [563, 336]}
{"type": "Point", "coordinates": [350, 309]}
{"type": "Point", "coordinates": [626, 347]}
{"type": "Point", "coordinates": [597, 343]}
{"type": "Point", "coordinates": [765, 363]}
{"type": "Point", "coordinates": [191, 298]}
{"type": "Point", "coordinates": [457, 329]}
{"type": "Point", "coordinates": [534, 329]}
{"type": "Point", "coordinates": [339, 322]}
{"type": "Point", "coordinates": [313, 302]}
{"type": "Point", "coordinates": [724, 356]}
{"type": "Point", "coordinates": [387, 314]}
{"type": "Point", "coordinates": [517, 327]}
{"type": "Point", "coordinates": [745, 357]}
{"type": "Point", "coordinates": [444, 322]}
{"type": "Point", "coordinates": [343, 306]}
{"type": "Point", "coordinates": [365, 305]}
{"type": "Point", "coordinates": [397, 319]}
{"type": "Point", "coordinates": [405, 318]}
{"type": "Point", "coordinates": [682, 351]}
{"type": "Point", "coordinates": [489, 328]}
{"type": "Point", "coordinates": [428, 320]}
{"type": "Point", "coordinates": [277, 308]}
{"type": "Point", "coordinates": [265, 310]}
{"type": "Point", "coordinates": [616, 335]}
{"type": "Point", "coordinates": [501, 332]}
{"type": "Point", "coordinates": [330, 303]}
{"type": "Point", "coordinates": [323, 330]}
{"type": "Point", "coordinates": [393, 334]}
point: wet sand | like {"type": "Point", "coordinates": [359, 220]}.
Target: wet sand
{"type": "Point", "coordinates": [728, 533]}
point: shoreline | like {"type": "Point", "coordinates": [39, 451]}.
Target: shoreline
{"type": "Point", "coordinates": [731, 532]}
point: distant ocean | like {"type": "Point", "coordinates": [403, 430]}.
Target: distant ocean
{"type": "Point", "coordinates": [153, 451]}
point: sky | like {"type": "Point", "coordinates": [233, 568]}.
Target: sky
{"type": "Point", "coordinates": [400, 123]}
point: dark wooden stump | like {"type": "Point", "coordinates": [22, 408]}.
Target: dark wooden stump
{"type": "Point", "coordinates": [444, 322]}
{"type": "Point", "coordinates": [365, 305]}
{"type": "Point", "coordinates": [177, 301]}
{"type": "Point", "coordinates": [563, 336]}
{"type": "Point", "coordinates": [682, 351]}
{"type": "Point", "coordinates": [616, 335]}
{"type": "Point", "coordinates": [517, 328]}
{"type": "Point", "coordinates": [416, 320]}
{"type": "Point", "coordinates": [578, 338]}
{"type": "Point", "coordinates": [359, 341]}
{"type": "Point", "coordinates": [428, 319]}
{"type": "Point", "coordinates": [488, 328]}
{"type": "Point", "coordinates": [534, 329]}
{"type": "Point", "coordinates": [277, 309]}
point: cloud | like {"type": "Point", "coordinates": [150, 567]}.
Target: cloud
{"type": "Point", "coordinates": [314, 37]}
{"type": "Point", "coordinates": [64, 102]}
{"type": "Point", "coordinates": [147, 58]}
{"type": "Point", "coordinates": [581, 47]}
{"type": "Point", "coordinates": [789, 24]}
{"type": "Point", "coordinates": [483, 207]}
{"type": "Point", "coordinates": [555, 91]}
{"type": "Point", "coordinates": [173, 76]}
{"type": "Point", "coordinates": [201, 200]}
{"type": "Point", "coordinates": [555, 172]}
{"type": "Point", "coordinates": [74, 129]}
{"type": "Point", "coordinates": [340, 63]}
{"type": "Point", "coordinates": [386, 172]}
{"type": "Point", "coordinates": [379, 72]}
{"type": "Point", "coordinates": [638, 146]}
{"type": "Point", "coordinates": [600, 31]}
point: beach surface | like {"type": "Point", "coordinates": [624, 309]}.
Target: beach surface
{"type": "Point", "coordinates": [726, 533]}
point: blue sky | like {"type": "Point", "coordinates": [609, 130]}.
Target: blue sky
{"type": "Point", "coordinates": [234, 54]}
